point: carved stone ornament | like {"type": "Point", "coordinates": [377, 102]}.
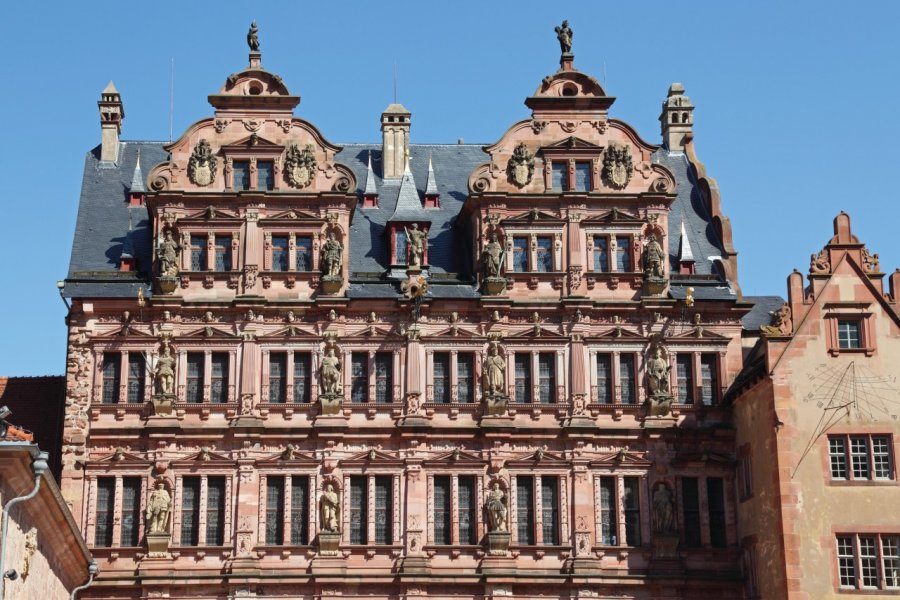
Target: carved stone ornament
{"type": "Point", "coordinates": [617, 165]}
{"type": "Point", "coordinates": [300, 165]}
{"type": "Point", "coordinates": [159, 504]}
{"type": "Point", "coordinates": [329, 509]}
{"type": "Point", "coordinates": [202, 164]}
{"type": "Point", "coordinates": [521, 166]}
{"type": "Point", "coordinates": [781, 322]}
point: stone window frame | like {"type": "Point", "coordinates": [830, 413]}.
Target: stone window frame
{"type": "Point", "coordinates": [851, 480]}
{"type": "Point", "coordinates": [123, 349]}
{"type": "Point", "coordinates": [559, 397]}
{"type": "Point", "coordinates": [477, 354]}
{"type": "Point", "coordinates": [860, 312]}
{"type": "Point", "coordinates": [277, 228]}
{"type": "Point", "coordinates": [855, 534]}
{"type": "Point", "coordinates": [611, 233]}
{"type": "Point", "coordinates": [397, 350]}
{"type": "Point", "coordinates": [532, 233]}
{"type": "Point", "coordinates": [290, 349]}
{"type": "Point", "coordinates": [182, 348]}
{"type": "Point", "coordinates": [615, 352]}
{"type": "Point", "coordinates": [480, 527]}
{"type": "Point", "coordinates": [370, 473]}
{"type": "Point", "coordinates": [289, 473]}
{"type": "Point", "coordinates": [228, 533]}
{"type": "Point", "coordinates": [619, 475]}
{"type": "Point", "coordinates": [562, 476]}
{"type": "Point", "coordinates": [210, 230]}
{"type": "Point", "coordinates": [103, 471]}
{"type": "Point", "coordinates": [697, 354]}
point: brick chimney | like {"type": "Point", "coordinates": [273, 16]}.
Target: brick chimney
{"type": "Point", "coordinates": [111, 115]}
{"type": "Point", "coordinates": [395, 123]}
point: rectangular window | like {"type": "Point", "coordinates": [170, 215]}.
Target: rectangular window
{"type": "Point", "coordinates": [525, 509]}
{"type": "Point", "coordinates": [219, 378]}
{"type": "Point", "coordinates": [223, 253]}
{"type": "Point", "coordinates": [137, 370]}
{"type": "Point", "coordinates": [280, 253]}
{"type": "Point", "coordinates": [194, 388]}
{"type": "Point", "coordinates": [604, 378]}
{"type": "Point", "coordinates": [547, 377]}
{"type": "Point", "coordinates": [198, 252]}
{"type": "Point", "coordinates": [846, 561]}
{"type": "Point", "coordinates": [623, 254]}
{"type": "Point", "coordinates": [359, 378]}
{"type": "Point", "coordinates": [241, 173]}
{"type": "Point", "coordinates": [890, 557]}
{"type": "Point", "coordinates": [627, 379]}
{"type": "Point", "coordinates": [881, 458]}
{"type": "Point", "coordinates": [523, 378]}
{"type": "Point", "coordinates": [560, 176]}
{"type": "Point", "coordinates": [442, 510]}
{"type": "Point", "coordinates": [384, 506]}
{"type": "Point", "coordinates": [467, 508]}
{"type": "Point", "coordinates": [302, 377]}
{"type": "Point", "coordinates": [278, 377]}
{"type": "Point", "coordinates": [601, 254]}
{"type": "Point", "coordinates": [631, 504]}
{"type": "Point", "coordinates": [684, 365]}
{"type": "Point", "coordinates": [715, 496]}
{"type": "Point", "coordinates": [384, 377]}
{"type": "Point", "coordinates": [544, 254]}
{"type": "Point", "coordinates": [215, 511]}
{"type": "Point", "coordinates": [582, 176]}
{"type": "Point", "coordinates": [520, 254]}
{"type": "Point", "coordinates": [441, 377]}
{"type": "Point", "coordinates": [837, 452]}
{"type": "Point", "coordinates": [465, 377]}
{"type": "Point", "coordinates": [848, 334]}
{"type": "Point", "coordinates": [868, 562]}
{"type": "Point", "coordinates": [690, 511]}
{"type": "Point", "coordinates": [709, 379]}
{"type": "Point", "coordinates": [299, 510]}
{"type": "Point", "coordinates": [359, 512]}
{"type": "Point", "coordinates": [303, 250]}
{"type": "Point", "coordinates": [190, 511]}
{"type": "Point", "coordinates": [859, 456]}
{"type": "Point", "coordinates": [274, 510]}
{"type": "Point", "coordinates": [550, 509]}
{"type": "Point", "coordinates": [111, 377]}
{"type": "Point", "coordinates": [106, 502]}
{"type": "Point", "coordinates": [401, 248]}
{"type": "Point", "coordinates": [608, 519]}
{"type": "Point", "coordinates": [131, 511]}
{"type": "Point", "coordinates": [265, 175]}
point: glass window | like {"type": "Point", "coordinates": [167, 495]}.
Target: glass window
{"type": "Point", "coordinates": [401, 248]}
{"type": "Point", "coordinates": [544, 255]}
{"type": "Point", "coordinates": [384, 377]}
{"type": "Point", "coordinates": [859, 455]}
{"type": "Point", "coordinates": [582, 176]}
{"type": "Point", "coordinates": [520, 254]}
{"type": "Point", "coordinates": [623, 254]}
{"type": "Point", "coordinates": [601, 254]}
{"type": "Point", "coordinates": [223, 253]}
{"type": "Point", "coordinates": [241, 172]}
{"type": "Point", "coordinates": [550, 509]}
{"type": "Point", "coordinates": [215, 511]}
{"type": "Point", "coordinates": [137, 370]}
{"type": "Point", "coordinates": [359, 378]}
{"type": "Point", "coordinates": [685, 375]}
{"type": "Point", "coordinates": [304, 253]}
{"type": "Point", "coordinates": [846, 561]}
{"type": "Point", "coordinates": [604, 378]}
{"type": "Point", "coordinates": [198, 252]}
{"type": "Point", "coordinates": [464, 377]}
{"type": "Point", "coordinates": [190, 511]}
{"type": "Point", "coordinates": [219, 378]}
{"type": "Point", "coordinates": [690, 511]}
{"type": "Point", "coordinates": [359, 510]}
{"type": "Point", "coordinates": [103, 531]}
{"type": "Point", "coordinates": [299, 510]}
{"type": "Point", "coordinates": [709, 379]}
{"type": "Point", "coordinates": [194, 389]}
{"type": "Point", "coordinates": [441, 375]}
{"type": "Point", "coordinates": [278, 377]}
{"type": "Point", "coordinates": [302, 376]}
{"type": "Point", "coordinates": [384, 506]}
{"type": "Point", "coordinates": [890, 553]}
{"type": "Point", "coordinates": [280, 254]}
{"type": "Point", "coordinates": [608, 520]}
{"type": "Point", "coordinates": [111, 377]}
{"type": "Point", "coordinates": [626, 379]}
{"type": "Point", "coordinates": [715, 495]}
{"type": "Point", "coordinates": [546, 377]}
{"type": "Point", "coordinates": [525, 509]}
{"type": "Point", "coordinates": [848, 335]}
{"type": "Point", "coordinates": [131, 511]}
{"type": "Point", "coordinates": [868, 562]}
{"type": "Point", "coordinates": [632, 506]}
{"type": "Point", "coordinates": [274, 510]}
{"type": "Point", "coordinates": [467, 507]}
{"type": "Point", "coordinates": [442, 509]}
{"type": "Point", "coordinates": [265, 175]}
{"type": "Point", "coordinates": [560, 176]}
{"type": "Point", "coordinates": [881, 457]}
{"type": "Point", "coordinates": [837, 452]}
{"type": "Point", "coordinates": [523, 378]}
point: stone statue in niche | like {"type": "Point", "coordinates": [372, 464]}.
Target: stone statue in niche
{"type": "Point", "coordinates": [415, 241]}
{"type": "Point", "coordinates": [165, 372]}
{"type": "Point", "coordinates": [658, 369]}
{"type": "Point", "coordinates": [331, 397]}
{"type": "Point", "coordinates": [495, 507]}
{"type": "Point", "coordinates": [492, 257]}
{"type": "Point", "coordinates": [253, 37]}
{"type": "Point", "coordinates": [167, 252]}
{"type": "Point", "coordinates": [617, 165]}
{"type": "Point", "coordinates": [158, 507]}
{"type": "Point", "coordinates": [663, 511]}
{"type": "Point", "coordinates": [329, 509]}
{"type": "Point", "coordinates": [202, 164]}
{"type": "Point", "coordinates": [564, 35]}
{"type": "Point", "coordinates": [300, 165]}
{"type": "Point", "coordinates": [654, 259]}
{"type": "Point", "coordinates": [521, 166]}
{"type": "Point", "coordinates": [332, 262]}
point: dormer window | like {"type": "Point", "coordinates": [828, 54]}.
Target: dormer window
{"type": "Point", "coordinates": [241, 175]}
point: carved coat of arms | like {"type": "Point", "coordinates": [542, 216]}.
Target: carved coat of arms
{"type": "Point", "coordinates": [202, 164]}
{"type": "Point", "coordinates": [617, 165]}
{"type": "Point", "coordinates": [300, 165]}
{"type": "Point", "coordinates": [521, 166]}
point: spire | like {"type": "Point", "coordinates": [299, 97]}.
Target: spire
{"type": "Point", "coordinates": [432, 196]}
{"type": "Point", "coordinates": [126, 260]}
{"type": "Point", "coordinates": [409, 207]}
{"type": "Point", "coordinates": [370, 193]}
{"type": "Point", "coordinates": [685, 254]}
{"type": "Point", "coordinates": [137, 180]}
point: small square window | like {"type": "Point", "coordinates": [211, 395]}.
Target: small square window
{"type": "Point", "coordinates": [848, 334]}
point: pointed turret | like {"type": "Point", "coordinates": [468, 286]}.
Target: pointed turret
{"type": "Point", "coordinates": [137, 190]}
{"type": "Point", "coordinates": [127, 261]}
{"type": "Point", "coordinates": [370, 193]}
{"type": "Point", "coordinates": [686, 260]}
{"type": "Point", "coordinates": [432, 196]}
{"type": "Point", "coordinates": [408, 214]}
{"type": "Point", "coordinates": [111, 114]}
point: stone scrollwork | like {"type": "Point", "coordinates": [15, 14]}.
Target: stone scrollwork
{"type": "Point", "coordinates": [617, 165]}
{"type": "Point", "coordinates": [521, 166]}
{"type": "Point", "coordinates": [202, 164]}
{"type": "Point", "coordinates": [300, 165]}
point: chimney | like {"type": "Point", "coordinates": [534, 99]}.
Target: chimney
{"type": "Point", "coordinates": [677, 118]}
{"type": "Point", "coordinates": [111, 115]}
{"type": "Point", "coordinates": [395, 122]}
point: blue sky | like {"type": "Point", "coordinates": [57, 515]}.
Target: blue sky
{"type": "Point", "coordinates": [796, 102]}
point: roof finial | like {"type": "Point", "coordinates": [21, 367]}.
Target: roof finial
{"type": "Point", "coordinates": [564, 35]}
{"type": "Point", "coordinates": [253, 37]}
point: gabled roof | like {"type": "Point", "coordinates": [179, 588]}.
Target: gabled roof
{"type": "Point", "coordinates": [409, 205]}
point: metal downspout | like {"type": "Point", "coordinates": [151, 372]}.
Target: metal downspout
{"type": "Point", "coordinates": [92, 571]}
{"type": "Point", "coordinates": [38, 465]}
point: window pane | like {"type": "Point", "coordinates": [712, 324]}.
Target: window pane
{"type": "Point", "coordinates": [464, 377]}
{"type": "Point", "coordinates": [358, 510]}
{"type": "Point", "coordinates": [401, 248]}
{"type": "Point", "coordinates": [131, 511]}
{"type": "Point", "coordinates": [632, 506]}
{"type": "Point", "coordinates": [868, 562]}
{"type": "Point", "coordinates": [265, 175]}
{"type": "Point", "coordinates": [241, 172]}
{"type": "Point", "coordinates": [685, 376]}
{"type": "Point", "coordinates": [442, 510]}
{"type": "Point", "coordinates": [198, 252]}
{"type": "Point", "coordinates": [303, 247]}
{"type": "Point", "coordinates": [384, 377]}
{"type": "Point", "coordinates": [302, 376]}
{"type": "Point", "coordinates": [280, 253]}
{"type": "Point", "coordinates": [194, 389]}
{"type": "Point", "coordinates": [848, 334]}
{"type": "Point", "coordinates": [520, 254]}
{"type": "Point", "coordinates": [608, 519]}
{"type": "Point", "coordinates": [604, 378]}
{"type": "Point", "coordinates": [223, 253]}
{"type": "Point", "coordinates": [690, 509]}
{"type": "Point", "coordinates": [523, 378]}
{"type": "Point", "coordinates": [626, 379]}
{"type": "Point", "coordinates": [846, 561]}
{"type": "Point", "coordinates": [525, 509]}
{"type": "Point", "coordinates": [441, 377]}
{"type": "Point", "coordinates": [111, 377]}
{"type": "Point", "coordinates": [467, 507]}
{"type": "Point", "coordinates": [623, 254]}
{"type": "Point", "coordinates": [890, 552]}
{"type": "Point", "coordinates": [709, 379]}
{"type": "Point", "coordinates": [601, 254]}
{"type": "Point", "coordinates": [215, 511]}
{"type": "Point", "coordinates": [359, 378]}
{"type": "Point", "coordinates": [106, 489]}
{"type": "Point", "coordinates": [547, 377]}
{"type": "Point", "coordinates": [278, 377]}
{"type": "Point", "coordinates": [560, 176]}
{"type": "Point", "coordinates": [544, 254]}
{"type": "Point", "coordinates": [384, 506]}
{"type": "Point", "coordinates": [137, 369]}
{"type": "Point", "coordinates": [881, 457]}
{"type": "Point", "coordinates": [715, 494]}
{"type": "Point", "coordinates": [837, 452]}
{"type": "Point", "coordinates": [190, 511]}
{"type": "Point", "coordinates": [274, 510]}
{"type": "Point", "coordinates": [219, 378]}
{"type": "Point", "coordinates": [859, 455]}
{"type": "Point", "coordinates": [299, 510]}
{"type": "Point", "coordinates": [550, 508]}
{"type": "Point", "coordinates": [582, 176]}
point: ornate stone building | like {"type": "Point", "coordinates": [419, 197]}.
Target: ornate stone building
{"type": "Point", "coordinates": [304, 370]}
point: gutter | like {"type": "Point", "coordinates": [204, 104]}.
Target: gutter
{"type": "Point", "coordinates": [39, 466]}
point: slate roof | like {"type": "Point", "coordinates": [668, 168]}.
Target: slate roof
{"type": "Point", "coordinates": [759, 315]}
